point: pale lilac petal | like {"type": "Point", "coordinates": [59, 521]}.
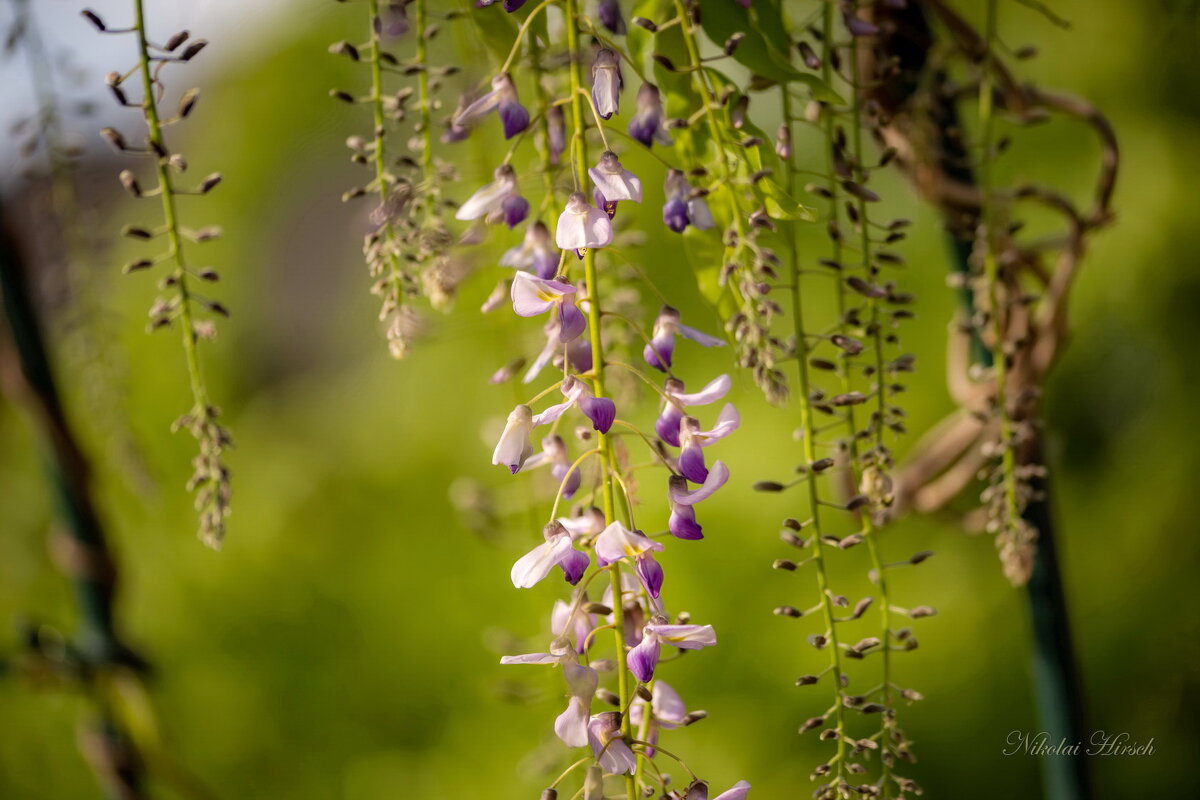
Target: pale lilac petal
{"type": "Point", "coordinates": [571, 725]}
{"type": "Point", "coordinates": [551, 414]}
{"type": "Point", "coordinates": [531, 658]}
{"type": "Point", "coordinates": [614, 181]}
{"type": "Point", "coordinates": [700, 214]}
{"type": "Point", "coordinates": [738, 792]}
{"type": "Point", "coordinates": [537, 563]}
{"type": "Point", "coordinates": [717, 477]}
{"type": "Point", "coordinates": [532, 296]}
{"type": "Point", "coordinates": [727, 423]}
{"type": "Point", "coordinates": [581, 680]}
{"type": "Point", "coordinates": [699, 337]}
{"type": "Point", "coordinates": [588, 523]}
{"type": "Point", "coordinates": [617, 542]}
{"type": "Point", "coordinates": [667, 705]}
{"type": "Point", "coordinates": [487, 200]}
{"type": "Point", "coordinates": [514, 447]}
{"type": "Point", "coordinates": [685, 637]}
{"type": "Point", "coordinates": [713, 391]}
{"type": "Point", "coordinates": [618, 759]}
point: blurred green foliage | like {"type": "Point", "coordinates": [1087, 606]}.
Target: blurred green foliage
{"type": "Point", "coordinates": [346, 642]}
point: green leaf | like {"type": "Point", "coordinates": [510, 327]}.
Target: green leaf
{"type": "Point", "coordinates": [780, 204]}
{"type": "Point", "coordinates": [497, 30]}
{"type": "Point", "coordinates": [766, 48]}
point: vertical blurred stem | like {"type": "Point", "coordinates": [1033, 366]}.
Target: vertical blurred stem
{"type": "Point", "coordinates": [379, 135]}
{"type": "Point", "coordinates": [1056, 678]}
{"type": "Point", "coordinates": [594, 317]}
{"type": "Point", "coordinates": [87, 562]}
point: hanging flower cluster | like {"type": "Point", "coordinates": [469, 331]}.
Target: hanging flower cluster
{"type": "Point", "coordinates": [613, 628]}
{"type": "Point", "coordinates": [407, 248]}
{"type": "Point", "coordinates": [181, 305]}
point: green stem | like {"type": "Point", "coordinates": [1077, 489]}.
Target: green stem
{"type": "Point", "coordinates": [870, 532]}
{"type": "Point", "coordinates": [382, 175]}
{"type": "Point", "coordinates": [427, 167]}
{"type": "Point", "coordinates": [594, 320]}
{"type": "Point", "coordinates": [808, 427]}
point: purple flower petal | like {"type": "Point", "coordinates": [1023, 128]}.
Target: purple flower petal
{"type": "Point", "coordinates": [516, 209]}
{"type": "Point", "coordinates": [667, 424]}
{"type": "Point", "coordinates": [651, 573]}
{"type": "Point", "coordinates": [609, 12]}
{"type": "Point", "coordinates": [571, 321]}
{"type": "Point", "coordinates": [574, 564]}
{"type": "Point", "coordinates": [515, 118]}
{"type": "Point", "coordinates": [675, 214]}
{"type": "Point", "coordinates": [660, 352]}
{"type": "Point", "coordinates": [643, 659]}
{"type": "Point", "coordinates": [600, 410]}
{"type": "Point", "coordinates": [691, 462]}
{"type": "Point", "coordinates": [682, 523]}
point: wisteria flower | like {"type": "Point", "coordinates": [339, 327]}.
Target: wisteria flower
{"type": "Point", "coordinates": [502, 97]}
{"type": "Point", "coordinates": [581, 624]}
{"type": "Point", "coordinates": [676, 401]}
{"type": "Point", "coordinates": [500, 199]}
{"type": "Point", "coordinates": [643, 659]}
{"type": "Point", "coordinates": [514, 447]}
{"type": "Point", "coordinates": [537, 253]}
{"type": "Point", "coordinates": [557, 551]}
{"type": "Point", "coordinates": [682, 523]}
{"type": "Point", "coordinates": [606, 83]}
{"type": "Point", "coordinates": [647, 123]}
{"type": "Point", "coordinates": [683, 206]}
{"type": "Point", "coordinates": [692, 440]}
{"type": "Point", "coordinates": [509, 5]}
{"type": "Point", "coordinates": [581, 226]}
{"type": "Point", "coordinates": [600, 410]}
{"type": "Point", "coordinates": [608, 745]}
{"type": "Point", "coordinates": [617, 542]}
{"type": "Point", "coordinates": [660, 352]}
{"type": "Point", "coordinates": [532, 296]}
{"type": "Point", "coordinates": [554, 453]}
{"type": "Point", "coordinates": [579, 352]}
{"type": "Point", "coordinates": [609, 13]}
{"type": "Point", "coordinates": [393, 22]}
{"type": "Point", "coordinates": [666, 710]}
{"type": "Point", "coordinates": [572, 726]}
{"type": "Point", "coordinates": [614, 183]}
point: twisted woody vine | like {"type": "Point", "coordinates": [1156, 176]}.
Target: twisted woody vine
{"type": "Point", "coordinates": [756, 130]}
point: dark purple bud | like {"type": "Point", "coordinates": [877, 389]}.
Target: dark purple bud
{"type": "Point", "coordinates": [600, 410]}
{"type": "Point", "coordinates": [575, 563]}
{"type": "Point", "coordinates": [609, 12]}
{"type": "Point", "coordinates": [675, 214]}
{"type": "Point", "coordinates": [651, 573]}
{"type": "Point", "coordinates": [516, 209]}
{"type": "Point", "coordinates": [515, 118]}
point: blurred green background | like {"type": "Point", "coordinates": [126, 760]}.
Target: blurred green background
{"type": "Point", "coordinates": [345, 643]}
